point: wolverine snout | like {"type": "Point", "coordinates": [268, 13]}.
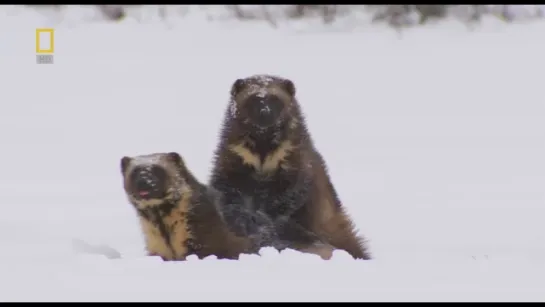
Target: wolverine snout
{"type": "Point", "coordinates": [264, 111]}
{"type": "Point", "coordinates": [148, 182]}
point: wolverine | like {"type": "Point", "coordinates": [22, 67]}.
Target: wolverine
{"type": "Point", "coordinates": [266, 161]}
{"type": "Point", "coordinates": [178, 215]}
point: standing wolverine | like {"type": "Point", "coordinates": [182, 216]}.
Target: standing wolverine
{"type": "Point", "coordinates": [266, 162]}
{"type": "Point", "coordinates": [179, 216]}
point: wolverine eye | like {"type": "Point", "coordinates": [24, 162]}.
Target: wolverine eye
{"type": "Point", "coordinates": [159, 173]}
{"type": "Point", "coordinates": [274, 100]}
{"type": "Point", "coordinates": [253, 99]}
{"type": "Point", "coordinates": [268, 99]}
{"type": "Point", "coordinates": [263, 110]}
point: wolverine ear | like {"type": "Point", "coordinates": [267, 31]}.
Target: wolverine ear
{"type": "Point", "coordinates": [237, 87]}
{"type": "Point", "coordinates": [175, 157]}
{"type": "Point", "coordinates": [289, 87]}
{"type": "Point", "coordinates": [125, 161]}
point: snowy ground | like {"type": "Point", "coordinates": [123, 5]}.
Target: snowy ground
{"type": "Point", "coordinates": [435, 142]}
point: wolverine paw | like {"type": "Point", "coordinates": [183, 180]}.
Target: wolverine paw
{"type": "Point", "coordinates": [243, 224]}
{"type": "Point", "coordinates": [248, 223]}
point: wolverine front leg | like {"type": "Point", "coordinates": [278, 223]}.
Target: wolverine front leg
{"type": "Point", "coordinates": [284, 213]}
{"type": "Point", "coordinates": [244, 220]}
{"type": "Point", "coordinates": [294, 235]}
{"type": "Point", "coordinates": [253, 224]}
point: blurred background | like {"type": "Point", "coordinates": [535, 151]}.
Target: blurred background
{"type": "Point", "coordinates": [397, 16]}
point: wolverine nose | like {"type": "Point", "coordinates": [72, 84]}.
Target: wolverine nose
{"type": "Point", "coordinates": [264, 111]}
{"type": "Point", "coordinates": [144, 185]}
{"type": "Point", "coordinates": [262, 115]}
{"type": "Point", "coordinates": [149, 182]}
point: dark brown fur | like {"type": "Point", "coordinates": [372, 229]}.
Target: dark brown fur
{"type": "Point", "coordinates": [186, 220]}
{"type": "Point", "coordinates": [278, 171]}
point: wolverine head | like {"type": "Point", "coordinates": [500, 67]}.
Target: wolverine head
{"type": "Point", "coordinates": [150, 180]}
{"type": "Point", "coordinates": [262, 101]}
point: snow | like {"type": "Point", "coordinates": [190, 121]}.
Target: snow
{"type": "Point", "coordinates": [434, 140]}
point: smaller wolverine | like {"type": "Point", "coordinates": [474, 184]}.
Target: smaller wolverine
{"type": "Point", "coordinates": [178, 215]}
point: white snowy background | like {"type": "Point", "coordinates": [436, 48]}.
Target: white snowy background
{"type": "Point", "coordinates": [435, 141]}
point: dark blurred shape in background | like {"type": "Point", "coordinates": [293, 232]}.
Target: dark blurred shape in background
{"type": "Point", "coordinates": [398, 16]}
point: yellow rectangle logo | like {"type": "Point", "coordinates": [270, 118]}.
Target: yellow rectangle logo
{"type": "Point", "coordinates": [40, 35]}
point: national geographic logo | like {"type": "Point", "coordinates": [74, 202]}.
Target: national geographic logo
{"type": "Point", "coordinates": [45, 45]}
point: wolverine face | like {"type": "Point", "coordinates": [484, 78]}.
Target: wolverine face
{"type": "Point", "coordinates": [152, 179]}
{"type": "Point", "coordinates": [262, 101]}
